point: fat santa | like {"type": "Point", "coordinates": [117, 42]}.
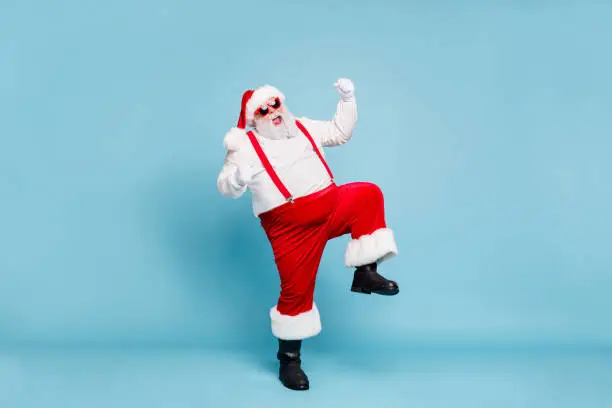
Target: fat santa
{"type": "Point", "coordinates": [281, 161]}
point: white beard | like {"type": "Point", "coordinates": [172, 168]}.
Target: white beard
{"type": "Point", "coordinates": [286, 130]}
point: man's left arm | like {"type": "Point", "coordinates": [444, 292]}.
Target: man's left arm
{"type": "Point", "coordinates": [339, 130]}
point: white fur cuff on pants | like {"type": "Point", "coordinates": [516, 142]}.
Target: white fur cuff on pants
{"type": "Point", "coordinates": [376, 247]}
{"type": "Point", "coordinates": [302, 326]}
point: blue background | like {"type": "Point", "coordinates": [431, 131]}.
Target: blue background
{"type": "Point", "coordinates": [486, 125]}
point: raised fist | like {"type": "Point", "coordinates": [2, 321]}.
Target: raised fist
{"type": "Point", "coordinates": [345, 88]}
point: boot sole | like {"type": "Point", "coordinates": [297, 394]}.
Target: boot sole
{"type": "Point", "coordinates": [369, 292]}
{"type": "Point", "coordinates": [305, 388]}
{"type": "Point", "coordinates": [302, 387]}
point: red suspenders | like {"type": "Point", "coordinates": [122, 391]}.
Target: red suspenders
{"type": "Point", "coordinates": [314, 146]}
{"type": "Point", "coordinates": [270, 169]}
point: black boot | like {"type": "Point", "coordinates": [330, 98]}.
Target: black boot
{"type": "Point", "coordinates": [367, 280]}
{"type": "Point", "coordinates": [290, 373]}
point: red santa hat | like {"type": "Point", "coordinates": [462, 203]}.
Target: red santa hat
{"type": "Point", "coordinates": [253, 99]}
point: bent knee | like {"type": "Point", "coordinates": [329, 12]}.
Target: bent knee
{"type": "Point", "coordinates": [371, 192]}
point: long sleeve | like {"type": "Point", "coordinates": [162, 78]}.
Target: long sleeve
{"type": "Point", "coordinates": [340, 129]}
{"type": "Point", "coordinates": [226, 182]}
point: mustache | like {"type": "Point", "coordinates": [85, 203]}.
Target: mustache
{"type": "Point", "coordinates": [286, 129]}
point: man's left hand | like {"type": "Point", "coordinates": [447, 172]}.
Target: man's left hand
{"type": "Point", "coordinates": [345, 88]}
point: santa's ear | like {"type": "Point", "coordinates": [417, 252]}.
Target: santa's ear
{"type": "Point", "coordinates": [234, 139]}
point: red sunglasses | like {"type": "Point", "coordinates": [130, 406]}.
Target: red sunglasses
{"type": "Point", "coordinates": [264, 110]}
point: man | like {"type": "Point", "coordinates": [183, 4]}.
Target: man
{"type": "Point", "coordinates": [281, 161]}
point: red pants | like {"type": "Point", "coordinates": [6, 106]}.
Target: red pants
{"type": "Point", "coordinates": [299, 232]}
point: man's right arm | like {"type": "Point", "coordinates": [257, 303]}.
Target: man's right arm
{"type": "Point", "coordinates": [229, 180]}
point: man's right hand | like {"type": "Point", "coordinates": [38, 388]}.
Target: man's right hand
{"type": "Point", "coordinates": [244, 175]}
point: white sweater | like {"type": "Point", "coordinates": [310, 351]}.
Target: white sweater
{"type": "Point", "coordinates": [294, 160]}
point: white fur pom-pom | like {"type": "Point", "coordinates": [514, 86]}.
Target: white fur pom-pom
{"type": "Point", "coordinates": [234, 139]}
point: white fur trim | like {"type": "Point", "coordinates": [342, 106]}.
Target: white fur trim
{"type": "Point", "coordinates": [302, 326]}
{"type": "Point", "coordinates": [234, 139]}
{"type": "Point", "coordinates": [376, 247]}
{"type": "Point", "coordinates": [261, 95]}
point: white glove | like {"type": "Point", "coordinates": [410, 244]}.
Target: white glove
{"type": "Point", "coordinates": [345, 88]}
{"type": "Point", "coordinates": [244, 175]}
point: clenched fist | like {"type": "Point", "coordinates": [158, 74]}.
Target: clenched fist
{"type": "Point", "coordinates": [345, 88]}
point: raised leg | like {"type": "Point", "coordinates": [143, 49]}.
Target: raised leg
{"type": "Point", "coordinates": [360, 212]}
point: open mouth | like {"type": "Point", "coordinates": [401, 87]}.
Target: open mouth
{"type": "Point", "coordinates": [277, 120]}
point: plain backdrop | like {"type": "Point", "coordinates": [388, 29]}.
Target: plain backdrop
{"type": "Point", "coordinates": [487, 126]}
